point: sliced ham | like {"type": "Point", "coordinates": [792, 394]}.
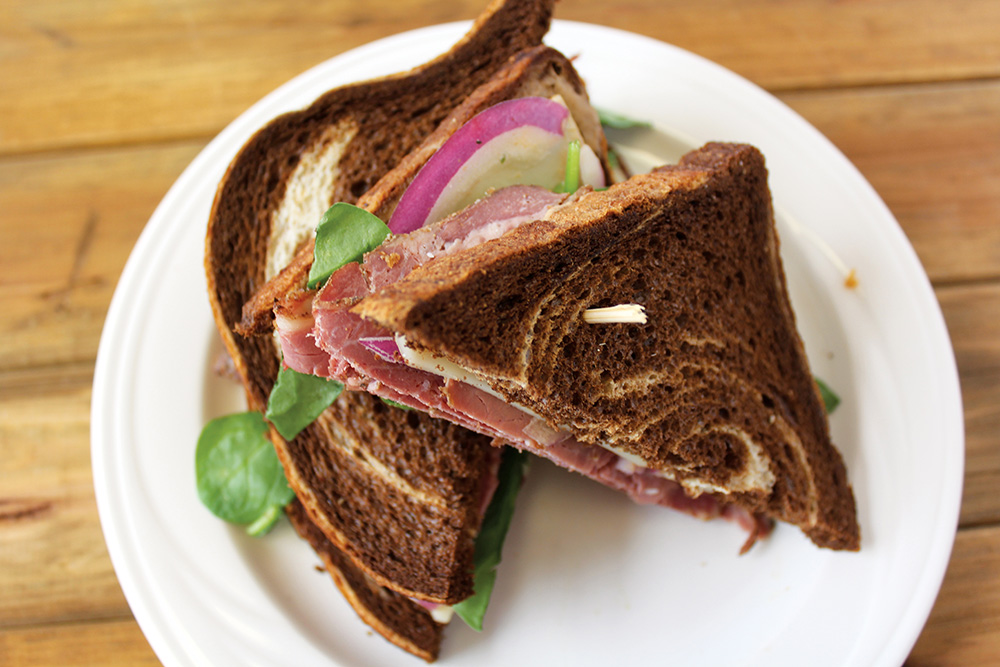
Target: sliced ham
{"type": "Point", "coordinates": [294, 322]}
{"type": "Point", "coordinates": [336, 328]}
{"type": "Point", "coordinates": [489, 218]}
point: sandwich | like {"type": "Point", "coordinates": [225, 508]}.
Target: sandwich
{"type": "Point", "coordinates": [641, 335]}
{"type": "Point", "coordinates": [499, 285]}
{"type": "Point", "coordinates": [392, 500]}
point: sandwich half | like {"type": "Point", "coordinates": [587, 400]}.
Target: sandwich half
{"type": "Point", "coordinates": [392, 500]}
{"type": "Point", "coordinates": [641, 335]}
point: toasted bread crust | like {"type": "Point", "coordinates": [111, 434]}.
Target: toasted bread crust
{"type": "Point", "coordinates": [715, 388]}
{"type": "Point", "coordinates": [400, 620]}
{"type": "Point", "coordinates": [379, 121]}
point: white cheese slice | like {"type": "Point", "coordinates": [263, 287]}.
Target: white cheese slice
{"type": "Point", "coordinates": [442, 613]}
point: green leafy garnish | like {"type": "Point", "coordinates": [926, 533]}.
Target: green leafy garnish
{"type": "Point", "coordinates": [830, 399]}
{"type": "Point", "coordinates": [297, 399]}
{"type": "Point", "coordinates": [489, 543]}
{"type": "Point", "coordinates": [396, 404]}
{"type": "Point", "coordinates": [613, 160]}
{"type": "Point", "coordinates": [237, 473]}
{"type": "Point", "coordinates": [618, 121]}
{"type": "Point", "coordinates": [571, 182]}
{"type": "Point", "coordinates": [345, 233]}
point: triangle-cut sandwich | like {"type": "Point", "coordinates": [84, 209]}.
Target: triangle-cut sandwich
{"type": "Point", "coordinates": [641, 335]}
{"type": "Point", "coordinates": [391, 499]}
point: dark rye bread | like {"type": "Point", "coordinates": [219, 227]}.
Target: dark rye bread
{"type": "Point", "coordinates": [397, 618]}
{"type": "Point", "coordinates": [367, 128]}
{"type": "Point", "coordinates": [538, 71]}
{"type": "Point", "coordinates": [715, 389]}
{"type": "Point", "coordinates": [397, 491]}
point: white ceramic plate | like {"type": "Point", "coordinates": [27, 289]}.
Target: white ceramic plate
{"type": "Point", "coordinates": [588, 578]}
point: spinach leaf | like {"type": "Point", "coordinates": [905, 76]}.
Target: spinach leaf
{"type": "Point", "coordinates": [613, 161]}
{"type": "Point", "coordinates": [830, 399]}
{"type": "Point", "coordinates": [619, 121]}
{"type": "Point", "coordinates": [297, 399]}
{"type": "Point", "coordinates": [489, 543]}
{"type": "Point", "coordinates": [237, 472]}
{"type": "Point", "coordinates": [344, 234]}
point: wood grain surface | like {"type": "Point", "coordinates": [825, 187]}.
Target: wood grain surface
{"type": "Point", "coordinates": [103, 104]}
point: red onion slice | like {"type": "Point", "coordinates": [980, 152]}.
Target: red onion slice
{"type": "Point", "coordinates": [383, 347]}
{"type": "Point", "coordinates": [501, 139]}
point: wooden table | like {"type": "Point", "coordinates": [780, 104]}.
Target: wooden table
{"type": "Point", "coordinates": [103, 103]}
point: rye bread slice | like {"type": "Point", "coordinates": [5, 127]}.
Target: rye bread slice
{"type": "Point", "coordinates": [715, 389]}
{"type": "Point", "coordinates": [266, 205]}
